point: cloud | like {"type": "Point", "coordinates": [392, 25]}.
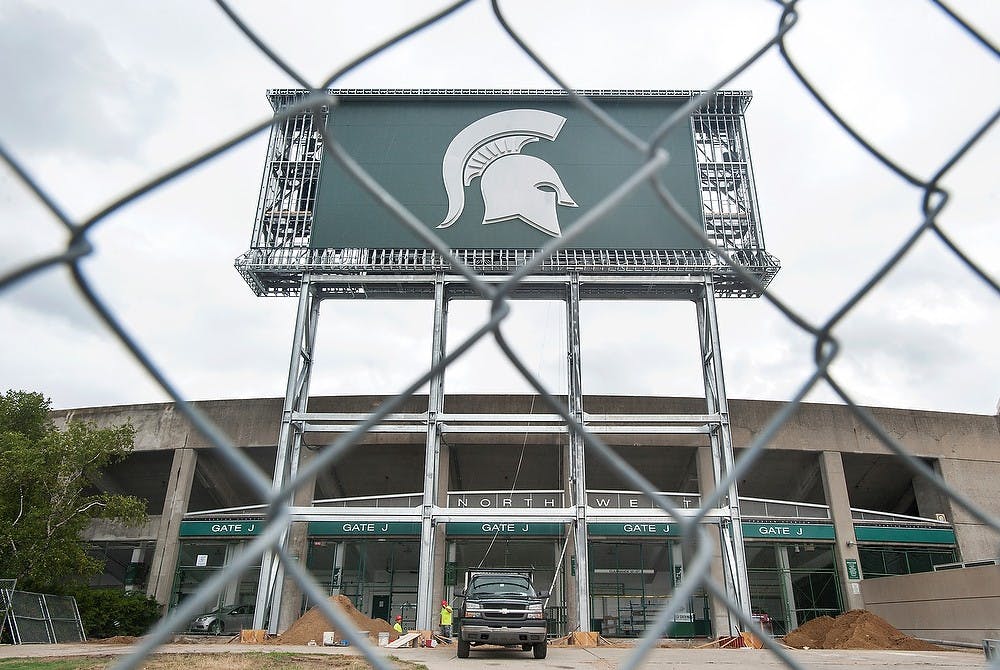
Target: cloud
{"type": "Point", "coordinates": [54, 295]}
{"type": "Point", "coordinates": [648, 348]}
{"type": "Point", "coordinates": [70, 93]}
{"type": "Point", "coordinates": [74, 367]}
{"type": "Point", "coordinates": [156, 83]}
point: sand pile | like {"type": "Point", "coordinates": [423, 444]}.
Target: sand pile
{"type": "Point", "coordinates": [312, 624]}
{"type": "Point", "coordinates": [857, 629]}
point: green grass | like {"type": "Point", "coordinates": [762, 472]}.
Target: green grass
{"type": "Point", "coordinates": [50, 664]}
{"type": "Point", "coordinates": [276, 660]}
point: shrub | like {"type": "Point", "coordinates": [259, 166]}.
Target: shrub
{"type": "Point", "coordinates": [110, 612]}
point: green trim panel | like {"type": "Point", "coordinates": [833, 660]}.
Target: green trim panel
{"type": "Point", "coordinates": [633, 529]}
{"type": "Point", "coordinates": [363, 528]}
{"type": "Point", "coordinates": [503, 528]}
{"type": "Point", "coordinates": [220, 528]}
{"type": "Point", "coordinates": [789, 531]}
{"type": "Point", "coordinates": [905, 535]}
{"type": "Point", "coordinates": [771, 531]}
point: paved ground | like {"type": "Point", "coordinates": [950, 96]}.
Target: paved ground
{"type": "Point", "coordinates": [565, 658]}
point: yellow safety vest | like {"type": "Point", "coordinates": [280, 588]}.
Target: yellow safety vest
{"type": "Point", "coordinates": [446, 616]}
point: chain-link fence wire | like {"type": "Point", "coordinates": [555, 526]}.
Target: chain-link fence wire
{"type": "Point", "coordinates": [695, 534]}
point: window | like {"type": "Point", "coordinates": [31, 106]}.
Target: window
{"type": "Point", "coordinates": [896, 560]}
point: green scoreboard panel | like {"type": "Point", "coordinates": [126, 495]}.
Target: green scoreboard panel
{"type": "Point", "coordinates": [501, 171]}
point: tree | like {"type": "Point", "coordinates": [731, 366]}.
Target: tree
{"type": "Point", "coordinates": [46, 499]}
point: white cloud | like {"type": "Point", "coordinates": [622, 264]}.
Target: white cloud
{"type": "Point", "coordinates": [72, 95]}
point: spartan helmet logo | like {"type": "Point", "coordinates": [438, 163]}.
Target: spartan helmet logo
{"type": "Point", "coordinates": [514, 186]}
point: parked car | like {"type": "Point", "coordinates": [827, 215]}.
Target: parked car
{"type": "Point", "coordinates": [228, 618]}
{"type": "Point", "coordinates": [501, 607]}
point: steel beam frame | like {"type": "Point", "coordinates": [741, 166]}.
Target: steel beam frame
{"type": "Point", "coordinates": [737, 583]}
{"type": "Point", "coordinates": [578, 475]}
{"type": "Point", "coordinates": [714, 423]}
{"type": "Point", "coordinates": [432, 460]}
{"type": "Point", "coordinates": [289, 443]}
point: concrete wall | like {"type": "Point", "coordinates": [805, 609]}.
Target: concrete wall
{"type": "Point", "coordinates": [978, 479]}
{"type": "Point", "coordinates": [965, 446]}
{"type": "Point", "coordinates": [820, 427]}
{"type": "Point", "coordinates": [249, 423]}
{"type": "Point", "coordinates": [102, 530]}
{"type": "Point", "coordinates": [813, 428]}
{"type": "Point", "coordinates": [956, 605]}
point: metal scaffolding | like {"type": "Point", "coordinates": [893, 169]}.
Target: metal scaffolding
{"type": "Point", "coordinates": [434, 422]}
{"type": "Point", "coordinates": [280, 252]}
{"type": "Point", "coordinates": [281, 262]}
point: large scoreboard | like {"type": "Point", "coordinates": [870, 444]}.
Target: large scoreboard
{"type": "Point", "coordinates": [502, 172]}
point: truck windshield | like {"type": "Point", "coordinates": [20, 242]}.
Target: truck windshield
{"type": "Point", "coordinates": [501, 586]}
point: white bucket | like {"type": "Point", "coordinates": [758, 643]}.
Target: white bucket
{"type": "Point", "coordinates": [383, 639]}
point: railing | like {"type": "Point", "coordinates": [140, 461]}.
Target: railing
{"type": "Point", "coordinates": [274, 270]}
{"type": "Point", "coordinates": [750, 508]}
{"type": "Point", "coordinates": [638, 500]}
{"type": "Point", "coordinates": [892, 518]}
{"type": "Point", "coordinates": [406, 500]}
{"type": "Point", "coordinates": [765, 508]}
{"type": "Point", "coordinates": [508, 499]}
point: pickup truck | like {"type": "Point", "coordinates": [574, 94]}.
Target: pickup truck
{"type": "Point", "coordinates": [501, 607]}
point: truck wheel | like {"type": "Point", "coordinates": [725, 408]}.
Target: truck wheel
{"type": "Point", "coordinates": [540, 649]}
{"type": "Point", "coordinates": [463, 648]}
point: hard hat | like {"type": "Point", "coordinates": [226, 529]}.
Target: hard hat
{"type": "Point", "coordinates": [444, 602]}
{"type": "Point", "coordinates": [399, 617]}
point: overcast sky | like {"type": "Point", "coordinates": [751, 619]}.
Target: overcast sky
{"type": "Point", "coordinates": [102, 96]}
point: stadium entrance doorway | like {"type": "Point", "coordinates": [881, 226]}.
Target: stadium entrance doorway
{"type": "Point", "coordinates": [541, 555]}
{"type": "Point", "coordinates": [379, 575]}
{"type": "Point", "coordinates": [632, 581]}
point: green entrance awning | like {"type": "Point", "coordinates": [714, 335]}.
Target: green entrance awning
{"type": "Point", "coordinates": [220, 528]}
{"type": "Point", "coordinates": [634, 529]}
{"type": "Point", "coordinates": [363, 528]}
{"type": "Point", "coordinates": [788, 531]}
{"type": "Point", "coordinates": [503, 528]}
{"type": "Point", "coordinates": [904, 535]}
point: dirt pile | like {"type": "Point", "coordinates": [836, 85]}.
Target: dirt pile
{"type": "Point", "coordinates": [117, 639]}
{"type": "Point", "coordinates": [312, 624]}
{"type": "Point", "coordinates": [857, 629]}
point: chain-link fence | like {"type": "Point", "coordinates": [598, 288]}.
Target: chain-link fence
{"type": "Point", "coordinates": [933, 202]}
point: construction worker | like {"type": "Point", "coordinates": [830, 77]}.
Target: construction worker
{"type": "Point", "coordinates": [446, 612]}
{"type": "Point", "coordinates": [398, 626]}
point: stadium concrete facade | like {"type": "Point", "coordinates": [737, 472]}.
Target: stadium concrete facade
{"type": "Point", "coordinates": [824, 507]}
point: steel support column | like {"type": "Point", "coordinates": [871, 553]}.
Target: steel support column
{"type": "Point", "coordinates": [289, 443]}
{"type": "Point", "coordinates": [737, 584]}
{"type": "Point", "coordinates": [574, 394]}
{"type": "Point", "coordinates": [787, 589]}
{"type": "Point", "coordinates": [435, 405]}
